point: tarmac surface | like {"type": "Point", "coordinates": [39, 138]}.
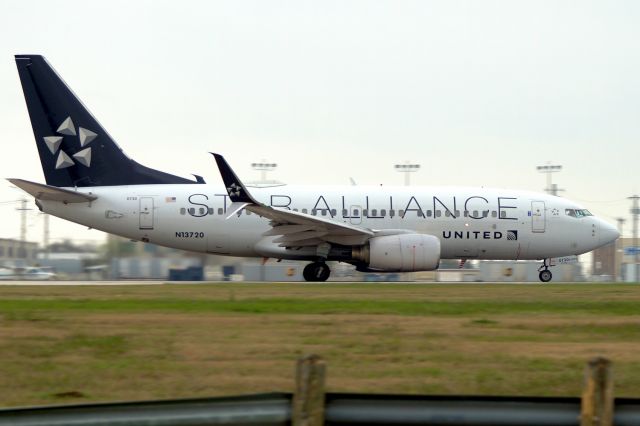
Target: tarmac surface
{"type": "Point", "coordinates": [70, 283]}
{"type": "Point", "coordinates": [159, 282]}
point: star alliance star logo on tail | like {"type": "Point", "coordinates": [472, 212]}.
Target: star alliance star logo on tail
{"type": "Point", "coordinates": [82, 156]}
{"type": "Point", "coordinates": [234, 190]}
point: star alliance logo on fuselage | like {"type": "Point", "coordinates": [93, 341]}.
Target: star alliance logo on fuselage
{"type": "Point", "coordinates": [82, 156]}
{"type": "Point", "coordinates": [234, 190]}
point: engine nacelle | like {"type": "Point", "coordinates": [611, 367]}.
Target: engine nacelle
{"type": "Point", "coordinates": [401, 253]}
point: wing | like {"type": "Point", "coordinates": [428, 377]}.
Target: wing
{"type": "Point", "coordinates": [294, 229]}
{"type": "Point", "coordinates": [300, 229]}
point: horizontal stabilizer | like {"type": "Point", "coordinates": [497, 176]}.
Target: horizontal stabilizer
{"type": "Point", "coordinates": [52, 193]}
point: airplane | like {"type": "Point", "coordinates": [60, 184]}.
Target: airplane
{"type": "Point", "coordinates": [90, 181]}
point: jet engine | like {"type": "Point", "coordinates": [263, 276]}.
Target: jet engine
{"type": "Point", "coordinates": [400, 253]}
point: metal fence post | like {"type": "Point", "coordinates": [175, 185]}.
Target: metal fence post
{"type": "Point", "coordinates": [308, 400]}
{"type": "Point", "coordinates": [597, 394]}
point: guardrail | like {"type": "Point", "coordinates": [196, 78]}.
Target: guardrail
{"type": "Point", "coordinates": [311, 406]}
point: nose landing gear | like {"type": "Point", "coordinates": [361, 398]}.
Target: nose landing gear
{"type": "Point", "coordinates": [545, 274]}
{"type": "Point", "coordinates": [316, 271]}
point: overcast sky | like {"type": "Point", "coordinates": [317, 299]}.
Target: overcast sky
{"type": "Point", "coordinates": [478, 92]}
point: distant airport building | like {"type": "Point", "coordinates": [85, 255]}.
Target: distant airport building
{"type": "Point", "coordinates": [17, 253]}
{"type": "Point", "coordinates": [526, 270]}
{"type": "Point", "coordinates": [604, 265]}
{"type": "Point", "coordinates": [137, 260]}
{"type": "Point", "coordinates": [69, 264]}
{"type": "Point", "coordinates": [616, 261]}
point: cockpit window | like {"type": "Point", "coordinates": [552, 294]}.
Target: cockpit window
{"type": "Point", "coordinates": [577, 212]}
{"type": "Point", "coordinates": [583, 212]}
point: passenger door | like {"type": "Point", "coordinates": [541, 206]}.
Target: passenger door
{"type": "Point", "coordinates": [146, 213]}
{"type": "Point", "coordinates": [538, 216]}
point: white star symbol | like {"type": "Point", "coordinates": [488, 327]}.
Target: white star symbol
{"type": "Point", "coordinates": [85, 136]}
{"type": "Point", "coordinates": [234, 190]}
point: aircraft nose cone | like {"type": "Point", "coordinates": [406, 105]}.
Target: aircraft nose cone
{"type": "Point", "coordinates": [608, 233]}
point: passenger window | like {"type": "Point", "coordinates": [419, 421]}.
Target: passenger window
{"type": "Point", "coordinates": [438, 213]}
{"type": "Point", "coordinates": [295, 210]}
{"type": "Point", "coordinates": [192, 211]}
{"type": "Point", "coordinates": [466, 213]}
{"type": "Point", "coordinates": [457, 213]}
{"type": "Point", "coordinates": [475, 213]}
{"type": "Point", "coordinates": [220, 210]}
{"type": "Point", "coordinates": [344, 212]}
{"type": "Point", "coordinates": [304, 211]}
{"type": "Point", "coordinates": [494, 214]}
{"type": "Point", "coordinates": [374, 212]}
{"type": "Point", "coordinates": [446, 213]}
{"type": "Point", "coordinates": [383, 212]}
{"type": "Point", "coordinates": [365, 212]}
{"type": "Point", "coordinates": [428, 213]}
{"type": "Point", "coordinates": [401, 213]}
{"type": "Point", "coordinates": [503, 214]}
{"type": "Point", "coordinates": [210, 210]}
{"type": "Point", "coordinates": [356, 212]}
{"type": "Point", "coordinates": [324, 212]}
{"type": "Point", "coordinates": [201, 210]}
{"type": "Point", "coordinates": [333, 212]}
{"type": "Point", "coordinates": [183, 210]}
{"type": "Point", "coordinates": [485, 213]}
{"type": "Point", "coordinates": [392, 213]}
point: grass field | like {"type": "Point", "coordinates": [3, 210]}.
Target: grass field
{"type": "Point", "coordinates": [90, 343]}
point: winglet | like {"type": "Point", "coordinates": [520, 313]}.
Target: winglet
{"type": "Point", "coordinates": [235, 188]}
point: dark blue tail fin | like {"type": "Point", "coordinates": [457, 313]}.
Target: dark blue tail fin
{"type": "Point", "coordinates": [74, 148]}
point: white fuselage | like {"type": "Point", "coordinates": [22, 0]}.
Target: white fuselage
{"type": "Point", "coordinates": [471, 223]}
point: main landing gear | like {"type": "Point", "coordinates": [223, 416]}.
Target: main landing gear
{"type": "Point", "coordinates": [545, 274]}
{"type": "Point", "coordinates": [316, 271]}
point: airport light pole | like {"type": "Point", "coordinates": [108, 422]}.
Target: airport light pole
{"type": "Point", "coordinates": [548, 169]}
{"type": "Point", "coordinates": [635, 211]}
{"type": "Point", "coordinates": [621, 222]}
{"type": "Point", "coordinates": [619, 257]}
{"type": "Point", "coordinates": [45, 238]}
{"type": "Point", "coordinates": [264, 167]}
{"type": "Point", "coordinates": [23, 228]}
{"type": "Point", "coordinates": [407, 168]}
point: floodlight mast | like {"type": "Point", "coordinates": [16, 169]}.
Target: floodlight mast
{"type": "Point", "coordinates": [263, 167]}
{"type": "Point", "coordinates": [619, 273]}
{"type": "Point", "coordinates": [407, 168]}
{"type": "Point", "coordinates": [635, 211]}
{"type": "Point", "coordinates": [548, 169]}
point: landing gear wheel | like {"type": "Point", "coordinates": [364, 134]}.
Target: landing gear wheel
{"type": "Point", "coordinates": [545, 276]}
{"type": "Point", "coordinates": [316, 271]}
